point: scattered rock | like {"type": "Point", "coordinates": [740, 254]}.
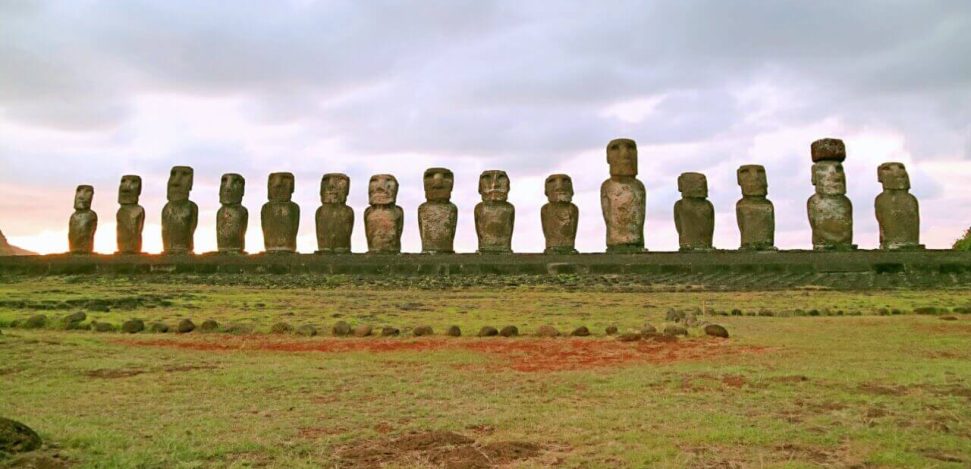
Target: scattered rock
{"type": "Point", "coordinates": [16, 437]}
{"type": "Point", "coordinates": [73, 321]}
{"type": "Point", "coordinates": [103, 326]}
{"type": "Point", "coordinates": [209, 325]}
{"type": "Point", "coordinates": [307, 330]}
{"type": "Point", "coordinates": [133, 326]}
{"type": "Point", "coordinates": [341, 329]}
{"type": "Point", "coordinates": [488, 331]}
{"type": "Point", "coordinates": [422, 331]}
{"type": "Point", "coordinates": [363, 330]}
{"type": "Point", "coordinates": [674, 315]}
{"type": "Point", "coordinates": [159, 327]}
{"type": "Point", "coordinates": [716, 330]}
{"type": "Point", "coordinates": [629, 337]}
{"type": "Point", "coordinates": [547, 331]}
{"type": "Point", "coordinates": [388, 331]}
{"type": "Point", "coordinates": [581, 331]}
{"type": "Point", "coordinates": [35, 322]}
{"type": "Point", "coordinates": [281, 328]}
{"type": "Point", "coordinates": [673, 330]}
{"type": "Point", "coordinates": [453, 331]}
{"type": "Point", "coordinates": [509, 331]}
{"type": "Point", "coordinates": [648, 330]}
{"type": "Point", "coordinates": [949, 318]}
{"type": "Point", "coordinates": [185, 326]}
{"type": "Point", "coordinates": [611, 330]}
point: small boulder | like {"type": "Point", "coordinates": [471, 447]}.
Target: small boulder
{"type": "Point", "coordinates": [341, 329]}
{"type": "Point", "coordinates": [453, 331]}
{"type": "Point", "coordinates": [209, 325]}
{"type": "Point", "coordinates": [16, 437]}
{"type": "Point", "coordinates": [488, 331]}
{"type": "Point", "coordinates": [581, 331]}
{"type": "Point", "coordinates": [159, 327]}
{"type": "Point", "coordinates": [281, 328]}
{"type": "Point", "coordinates": [422, 331]}
{"type": "Point", "coordinates": [648, 330]}
{"type": "Point", "coordinates": [133, 326]}
{"type": "Point", "coordinates": [611, 330]}
{"type": "Point", "coordinates": [35, 322]}
{"type": "Point", "coordinates": [547, 331]}
{"type": "Point", "coordinates": [185, 326]}
{"type": "Point", "coordinates": [629, 337]}
{"type": "Point", "coordinates": [307, 330]}
{"type": "Point", "coordinates": [388, 331]}
{"type": "Point", "coordinates": [509, 331]}
{"type": "Point", "coordinates": [103, 327]}
{"type": "Point", "coordinates": [716, 330]}
{"type": "Point", "coordinates": [362, 330]}
{"type": "Point", "coordinates": [73, 321]}
{"type": "Point", "coordinates": [674, 315]}
{"type": "Point", "coordinates": [673, 330]}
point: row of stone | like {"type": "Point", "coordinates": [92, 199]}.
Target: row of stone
{"type": "Point", "coordinates": [623, 203]}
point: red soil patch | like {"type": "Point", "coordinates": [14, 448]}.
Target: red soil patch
{"type": "Point", "coordinates": [522, 354]}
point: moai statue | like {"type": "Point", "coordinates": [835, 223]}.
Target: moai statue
{"type": "Point", "coordinates": [754, 212]}
{"type": "Point", "coordinates": [694, 215]}
{"type": "Point", "coordinates": [494, 216]}
{"type": "Point", "coordinates": [438, 216]}
{"type": "Point", "coordinates": [830, 211]}
{"type": "Point", "coordinates": [335, 220]}
{"type": "Point", "coordinates": [131, 216]}
{"type": "Point", "coordinates": [383, 220]}
{"type": "Point", "coordinates": [280, 216]}
{"type": "Point", "coordinates": [180, 215]}
{"type": "Point", "coordinates": [84, 222]}
{"type": "Point", "coordinates": [897, 210]}
{"type": "Point", "coordinates": [560, 216]}
{"type": "Point", "coordinates": [623, 198]}
{"type": "Point", "coordinates": [232, 219]}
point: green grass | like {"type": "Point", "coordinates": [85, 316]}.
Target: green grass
{"type": "Point", "coordinates": [873, 391]}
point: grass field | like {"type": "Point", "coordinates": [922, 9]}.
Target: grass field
{"type": "Point", "coordinates": [850, 388]}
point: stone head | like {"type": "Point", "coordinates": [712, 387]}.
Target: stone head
{"type": "Point", "coordinates": [334, 188]}
{"type": "Point", "coordinates": [829, 178]}
{"type": "Point", "coordinates": [180, 183]}
{"type": "Point", "coordinates": [828, 149]}
{"type": "Point", "coordinates": [751, 177]}
{"type": "Point", "coordinates": [559, 188]}
{"type": "Point", "coordinates": [693, 185]}
{"type": "Point", "coordinates": [279, 187]}
{"type": "Point", "coordinates": [893, 176]}
{"type": "Point", "coordinates": [494, 186]}
{"type": "Point", "coordinates": [231, 189]}
{"type": "Point", "coordinates": [82, 197]}
{"type": "Point", "coordinates": [438, 184]}
{"type": "Point", "coordinates": [382, 190]}
{"type": "Point", "coordinates": [622, 157]}
{"type": "Point", "coordinates": [129, 189]}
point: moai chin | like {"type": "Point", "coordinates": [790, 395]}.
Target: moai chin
{"type": "Point", "coordinates": [494, 216]}
{"type": "Point", "coordinates": [83, 223]}
{"type": "Point", "coordinates": [623, 199]}
{"type": "Point", "coordinates": [694, 215]}
{"type": "Point", "coordinates": [897, 210]}
{"type": "Point", "coordinates": [560, 216]}
{"type": "Point", "coordinates": [232, 219]}
{"type": "Point", "coordinates": [830, 211]}
{"type": "Point", "coordinates": [131, 216]}
{"type": "Point", "coordinates": [754, 212]}
{"type": "Point", "coordinates": [180, 215]}
{"type": "Point", "coordinates": [280, 217]}
{"type": "Point", "coordinates": [438, 216]}
{"type": "Point", "coordinates": [383, 220]}
{"type": "Point", "coordinates": [335, 220]}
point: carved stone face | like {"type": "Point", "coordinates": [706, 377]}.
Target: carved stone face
{"type": "Point", "coordinates": [231, 189]}
{"type": "Point", "coordinates": [693, 185]}
{"type": "Point", "coordinates": [279, 187]}
{"type": "Point", "coordinates": [494, 186]}
{"type": "Point", "coordinates": [559, 188]}
{"type": "Point", "coordinates": [438, 184]}
{"type": "Point", "coordinates": [180, 183]}
{"type": "Point", "coordinates": [382, 190]}
{"type": "Point", "coordinates": [622, 157]}
{"type": "Point", "coordinates": [893, 176]}
{"type": "Point", "coordinates": [82, 197]}
{"type": "Point", "coordinates": [334, 188]}
{"type": "Point", "coordinates": [129, 189]}
{"type": "Point", "coordinates": [829, 178]}
{"type": "Point", "coordinates": [752, 179]}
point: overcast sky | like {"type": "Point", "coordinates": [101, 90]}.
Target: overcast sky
{"type": "Point", "coordinates": [91, 90]}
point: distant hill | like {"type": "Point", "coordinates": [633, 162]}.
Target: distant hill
{"type": "Point", "coordinates": [7, 250]}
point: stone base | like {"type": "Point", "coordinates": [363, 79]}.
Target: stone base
{"type": "Point", "coordinates": [902, 247]}
{"type": "Point", "coordinates": [561, 250]}
{"type": "Point", "coordinates": [626, 249]}
{"type": "Point", "coordinates": [696, 249]}
{"type": "Point", "coordinates": [432, 252]}
{"type": "Point", "coordinates": [384, 252]}
{"type": "Point", "coordinates": [177, 252]}
{"type": "Point", "coordinates": [333, 251]}
{"type": "Point", "coordinates": [284, 251]}
{"type": "Point", "coordinates": [493, 250]}
{"type": "Point", "coordinates": [758, 247]}
{"type": "Point", "coordinates": [834, 247]}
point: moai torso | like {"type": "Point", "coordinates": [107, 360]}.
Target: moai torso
{"type": "Point", "coordinates": [560, 216]}
{"type": "Point", "coordinates": [438, 216]}
{"type": "Point", "coordinates": [335, 220]}
{"type": "Point", "coordinates": [280, 217]}
{"type": "Point", "coordinates": [383, 220]}
{"type": "Point", "coordinates": [232, 218]}
{"type": "Point", "coordinates": [131, 216]}
{"type": "Point", "coordinates": [180, 215]}
{"type": "Point", "coordinates": [494, 216]}
{"type": "Point", "coordinates": [830, 211]}
{"type": "Point", "coordinates": [754, 212]}
{"type": "Point", "coordinates": [623, 199]}
{"type": "Point", "coordinates": [694, 215]}
{"type": "Point", "coordinates": [897, 209]}
{"type": "Point", "coordinates": [83, 223]}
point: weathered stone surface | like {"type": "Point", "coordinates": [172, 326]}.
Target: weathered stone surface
{"type": "Point", "coordinates": [694, 215]}
{"type": "Point", "coordinates": [388, 331]}
{"type": "Point", "coordinates": [362, 330]}
{"type": "Point", "coordinates": [71, 321]}
{"type": "Point", "coordinates": [185, 326]}
{"type": "Point", "coordinates": [341, 329]}
{"type": "Point", "coordinates": [103, 327]}
{"type": "Point", "coordinates": [159, 328]}
{"type": "Point", "coordinates": [307, 330]}
{"type": "Point", "coordinates": [453, 331]}
{"type": "Point", "coordinates": [133, 326]}
{"type": "Point", "coordinates": [754, 212]}
{"type": "Point", "coordinates": [16, 437]}
{"type": "Point", "coordinates": [280, 217]}
{"type": "Point", "coordinates": [629, 337]}
{"type": "Point", "coordinates": [36, 321]}
{"type": "Point", "coordinates": [716, 330]}
{"type": "Point", "coordinates": [675, 330]}
{"type": "Point", "coordinates": [383, 220]}
{"type": "Point", "coordinates": [610, 330]}
{"type": "Point", "coordinates": [180, 215]}
{"type": "Point", "coordinates": [830, 211]}
{"type": "Point", "coordinates": [335, 220]}
{"type": "Point", "coordinates": [83, 223]}
{"type": "Point", "coordinates": [422, 331]}
{"type": "Point", "coordinates": [581, 331]}
{"type": "Point", "coordinates": [209, 325]}
{"type": "Point", "coordinates": [281, 328]}
{"type": "Point", "coordinates": [623, 199]}
{"type": "Point", "coordinates": [438, 216]}
{"type": "Point", "coordinates": [130, 217]}
{"type": "Point", "coordinates": [494, 216]}
{"type": "Point", "coordinates": [547, 331]}
{"type": "Point", "coordinates": [509, 331]}
{"type": "Point", "coordinates": [898, 212]}
{"type": "Point", "coordinates": [648, 330]}
{"type": "Point", "coordinates": [488, 331]}
{"type": "Point", "coordinates": [232, 219]}
{"type": "Point", "coordinates": [560, 216]}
